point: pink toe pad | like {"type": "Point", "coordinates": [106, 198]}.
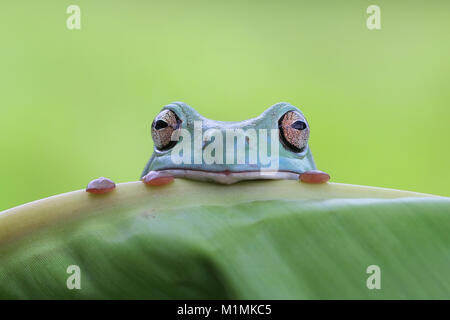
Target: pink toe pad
{"type": "Point", "coordinates": [157, 178]}
{"type": "Point", "coordinates": [100, 185]}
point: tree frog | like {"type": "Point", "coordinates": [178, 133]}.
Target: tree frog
{"type": "Point", "coordinates": [187, 145]}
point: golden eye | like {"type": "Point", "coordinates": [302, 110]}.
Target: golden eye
{"type": "Point", "coordinates": [165, 130]}
{"type": "Point", "coordinates": [294, 131]}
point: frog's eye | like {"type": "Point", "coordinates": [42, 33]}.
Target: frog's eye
{"type": "Point", "coordinates": [294, 131]}
{"type": "Point", "coordinates": [165, 130]}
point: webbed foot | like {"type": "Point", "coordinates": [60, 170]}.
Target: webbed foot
{"type": "Point", "coordinates": [157, 178]}
{"type": "Point", "coordinates": [100, 185]}
{"type": "Point", "coordinates": [314, 176]}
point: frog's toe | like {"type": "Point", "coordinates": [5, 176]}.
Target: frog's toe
{"type": "Point", "coordinates": [314, 176]}
{"type": "Point", "coordinates": [100, 185]}
{"type": "Point", "coordinates": [157, 178]}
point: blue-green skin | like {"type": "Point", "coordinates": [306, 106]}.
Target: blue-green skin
{"type": "Point", "coordinates": [288, 161]}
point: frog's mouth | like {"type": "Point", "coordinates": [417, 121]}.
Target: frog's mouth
{"type": "Point", "coordinates": [229, 177]}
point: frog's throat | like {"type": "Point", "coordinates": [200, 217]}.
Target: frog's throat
{"type": "Point", "coordinates": [229, 177]}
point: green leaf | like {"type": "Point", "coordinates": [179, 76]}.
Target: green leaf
{"type": "Point", "coordinates": [252, 240]}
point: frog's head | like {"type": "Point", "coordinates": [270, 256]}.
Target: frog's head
{"type": "Point", "coordinates": [271, 146]}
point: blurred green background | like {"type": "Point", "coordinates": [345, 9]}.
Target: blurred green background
{"type": "Point", "coordinates": [78, 104]}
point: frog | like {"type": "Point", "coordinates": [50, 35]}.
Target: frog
{"type": "Point", "coordinates": [190, 146]}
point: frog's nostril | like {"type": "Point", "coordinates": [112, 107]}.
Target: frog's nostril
{"type": "Point", "coordinates": [160, 124]}
{"type": "Point", "coordinates": [299, 125]}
